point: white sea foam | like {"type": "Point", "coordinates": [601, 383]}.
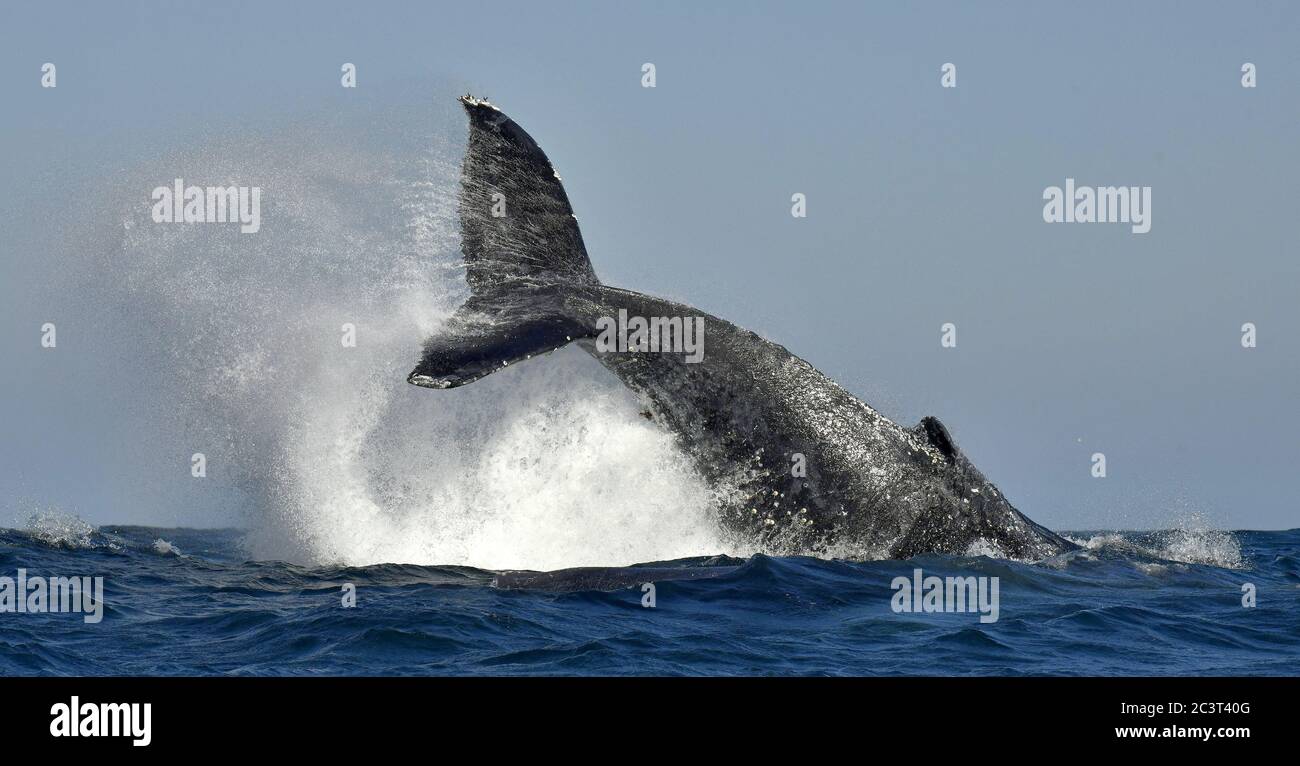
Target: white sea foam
{"type": "Point", "coordinates": [1192, 541]}
{"type": "Point", "coordinates": [164, 548]}
{"type": "Point", "coordinates": [1201, 545]}
{"type": "Point", "coordinates": [61, 529]}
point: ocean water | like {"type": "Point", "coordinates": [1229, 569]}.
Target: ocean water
{"type": "Point", "coordinates": [183, 601]}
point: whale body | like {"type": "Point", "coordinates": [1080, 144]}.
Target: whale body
{"type": "Point", "coordinates": [801, 465]}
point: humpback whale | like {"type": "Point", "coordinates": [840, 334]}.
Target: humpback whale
{"type": "Point", "coordinates": [802, 466]}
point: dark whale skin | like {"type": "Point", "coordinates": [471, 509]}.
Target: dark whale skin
{"type": "Point", "coordinates": [872, 489]}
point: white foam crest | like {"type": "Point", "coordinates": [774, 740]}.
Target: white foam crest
{"type": "Point", "coordinates": [57, 528]}
{"type": "Point", "coordinates": [164, 548]}
{"type": "Point", "coordinates": [1106, 540]}
{"type": "Point", "coordinates": [1192, 541]}
{"type": "Point", "coordinates": [1201, 545]}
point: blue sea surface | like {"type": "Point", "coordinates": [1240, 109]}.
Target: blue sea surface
{"type": "Point", "coordinates": [188, 602]}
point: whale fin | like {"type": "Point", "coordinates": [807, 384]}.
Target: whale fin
{"type": "Point", "coordinates": [492, 331]}
{"type": "Point", "coordinates": [516, 223]}
{"type": "Point", "coordinates": [936, 435]}
{"type": "Point", "coordinates": [522, 251]}
{"type": "Point", "coordinates": [473, 345]}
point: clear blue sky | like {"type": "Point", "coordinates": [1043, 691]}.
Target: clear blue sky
{"type": "Point", "coordinates": [924, 206]}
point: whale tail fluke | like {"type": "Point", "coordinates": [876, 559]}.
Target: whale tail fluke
{"type": "Point", "coordinates": [523, 253]}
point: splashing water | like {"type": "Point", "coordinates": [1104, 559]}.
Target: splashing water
{"type": "Point", "coordinates": [543, 466]}
{"type": "Point", "coordinates": [1191, 541]}
{"type": "Point", "coordinates": [1201, 545]}
{"type": "Point", "coordinates": [165, 548]}
{"type": "Point", "coordinates": [60, 530]}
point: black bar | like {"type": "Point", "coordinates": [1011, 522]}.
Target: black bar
{"type": "Point", "coordinates": [987, 715]}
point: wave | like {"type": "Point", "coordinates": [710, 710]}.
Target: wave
{"type": "Point", "coordinates": [60, 530]}
{"type": "Point", "coordinates": [165, 548]}
{"type": "Point", "coordinates": [1194, 543]}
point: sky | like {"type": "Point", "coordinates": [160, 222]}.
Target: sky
{"type": "Point", "coordinates": [924, 206]}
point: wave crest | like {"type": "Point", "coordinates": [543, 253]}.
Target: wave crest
{"type": "Point", "coordinates": [1191, 544]}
